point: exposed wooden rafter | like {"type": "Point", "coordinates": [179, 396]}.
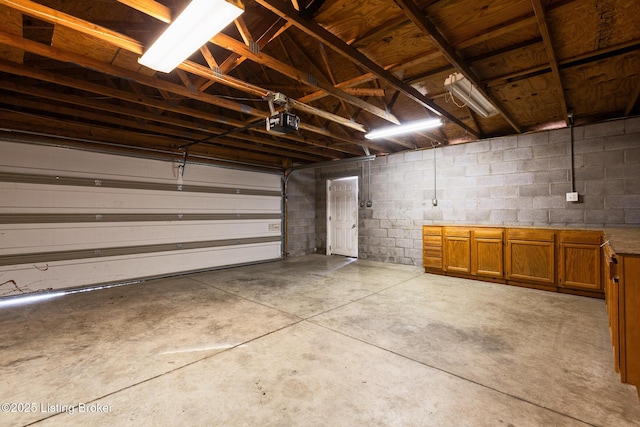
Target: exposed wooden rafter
{"type": "Point", "coordinates": [311, 28]}
{"type": "Point", "coordinates": [538, 8]}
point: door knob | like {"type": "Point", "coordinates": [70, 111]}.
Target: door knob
{"type": "Point", "coordinates": [353, 226]}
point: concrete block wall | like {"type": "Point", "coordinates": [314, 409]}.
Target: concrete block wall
{"type": "Point", "coordinates": [301, 213]}
{"type": "Point", "coordinates": [517, 180]}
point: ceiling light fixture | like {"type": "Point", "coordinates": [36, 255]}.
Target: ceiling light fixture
{"type": "Point", "coordinates": [404, 128]}
{"type": "Point", "coordinates": [458, 85]}
{"type": "Point", "coordinates": [201, 20]}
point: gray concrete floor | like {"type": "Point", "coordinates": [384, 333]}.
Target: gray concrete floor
{"type": "Point", "coordinates": [312, 341]}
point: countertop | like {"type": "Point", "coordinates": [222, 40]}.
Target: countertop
{"type": "Point", "coordinates": [623, 240]}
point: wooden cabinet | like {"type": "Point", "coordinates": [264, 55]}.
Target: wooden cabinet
{"type": "Point", "coordinates": [629, 318]}
{"type": "Point", "coordinates": [622, 295]}
{"type": "Point", "coordinates": [457, 250]}
{"type": "Point", "coordinates": [487, 257]}
{"type": "Point", "coordinates": [432, 248]}
{"type": "Point", "coordinates": [530, 257]}
{"type": "Point", "coordinates": [579, 260]}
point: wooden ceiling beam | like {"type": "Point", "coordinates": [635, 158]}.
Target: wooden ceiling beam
{"type": "Point", "coordinates": [83, 102]}
{"type": "Point", "coordinates": [57, 79]}
{"type": "Point", "coordinates": [538, 9]}
{"type": "Point", "coordinates": [316, 31]}
{"type": "Point", "coordinates": [421, 21]}
{"type": "Point", "coordinates": [233, 45]}
{"type": "Point", "coordinates": [237, 47]}
{"type": "Point", "coordinates": [52, 15]}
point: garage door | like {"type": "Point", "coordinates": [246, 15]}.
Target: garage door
{"type": "Point", "coordinates": [72, 218]}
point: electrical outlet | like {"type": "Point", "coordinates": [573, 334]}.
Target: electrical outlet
{"type": "Point", "coordinates": [572, 197]}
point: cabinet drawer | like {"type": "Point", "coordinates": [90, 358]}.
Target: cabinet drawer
{"type": "Point", "coordinates": [457, 232]}
{"type": "Point", "coordinates": [488, 233]}
{"type": "Point", "coordinates": [432, 240]}
{"type": "Point", "coordinates": [581, 236]}
{"type": "Point", "coordinates": [429, 251]}
{"type": "Point", "coordinates": [431, 230]}
{"type": "Point", "coordinates": [537, 235]}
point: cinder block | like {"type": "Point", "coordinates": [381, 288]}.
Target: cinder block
{"type": "Point", "coordinates": [453, 150]}
{"type": "Point", "coordinates": [551, 150]}
{"type": "Point", "coordinates": [478, 170]}
{"type": "Point", "coordinates": [479, 216]}
{"type": "Point", "coordinates": [395, 158]}
{"type": "Point", "coordinates": [505, 191]}
{"type": "Point", "coordinates": [622, 201]}
{"type": "Point", "coordinates": [632, 125]}
{"type": "Point", "coordinates": [533, 165]}
{"type": "Point", "coordinates": [531, 139]}
{"type": "Point", "coordinates": [607, 158]}
{"type": "Point", "coordinates": [524, 153]}
{"type": "Point", "coordinates": [433, 214]}
{"type": "Point", "coordinates": [477, 146]}
{"type": "Point", "coordinates": [632, 216]}
{"type": "Point", "coordinates": [524, 178]}
{"type": "Point", "coordinates": [492, 203]}
{"type": "Point", "coordinates": [605, 216]}
{"type": "Point", "coordinates": [631, 186]}
{"type": "Point", "coordinates": [560, 162]}
{"type": "Point", "coordinates": [533, 216]}
{"type": "Point", "coordinates": [632, 156]}
{"type": "Point", "coordinates": [562, 188]}
{"type": "Point", "coordinates": [404, 243]}
{"type": "Point", "coordinates": [500, 144]}
{"type": "Point", "coordinates": [395, 232]}
{"type": "Point", "coordinates": [504, 216]}
{"type": "Point", "coordinates": [466, 159]}
{"type": "Point", "coordinates": [590, 173]}
{"type": "Point", "coordinates": [564, 216]}
{"type": "Point", "coordinates": [519, 203]}
{"type": "Point", "coordinates": [615, 127]}
{"type": "Point", "coordinates": [589, 201]}
{"type": "Point", "coordinates": [412, 156]}
{"type": "Point", "coordinates": [622, 172]}
{"type": "Point", "coordinates": [551, 176]}
{"type": "Point", "coordinates": [560, 135]}
{"type": "Point", "coordinates": [550, 202]}
{"type": "Point", "coordinates": [534, 190]}
{"type": "Point", "coordinates": [490, 157]}
{"type": "Point", "coordinates": [413, 254]}
{"type": "Point", "coordinates": [594, 145]}
{"type": "Point", "coordinates": [483, 192]}
{"type": "Point", "coordinates": [504, 168]}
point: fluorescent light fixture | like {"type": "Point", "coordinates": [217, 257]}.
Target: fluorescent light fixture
{"type": "Point", "coordinates": [457, 85]}
{"type": "Point", "coordinates": [404, 128]}
{"type": "Point", "coordinates": [200, 21]}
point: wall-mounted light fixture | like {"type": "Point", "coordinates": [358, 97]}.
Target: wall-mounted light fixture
{"type": "Point", "coordinates": [404, 128]}
{"type": "Point", "coordinates": [201, 20]}
{"type": "Point", "coordinates": [457, 85]}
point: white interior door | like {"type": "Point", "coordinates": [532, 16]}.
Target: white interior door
{"type": "Point", "coordinates": [342, 216]}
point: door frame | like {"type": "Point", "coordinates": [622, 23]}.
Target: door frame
{"type": "Point", "coordinates": [328, 212]}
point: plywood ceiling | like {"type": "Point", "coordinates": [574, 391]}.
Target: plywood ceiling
{"type": "Point", "coordinates": [69, 72]}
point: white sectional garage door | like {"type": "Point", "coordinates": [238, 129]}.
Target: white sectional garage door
{"type": "Point", "coordinates": [71, 218]}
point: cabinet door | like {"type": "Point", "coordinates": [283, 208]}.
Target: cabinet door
{"type": "Point", "coordinates": [629, 319]}
{"type": "Point", "coordinates": [579, 267]}
{"type": "Point", "coordinates": [487, 254]}
{"type": "Point", "coordinates": [531, 257]}
{"type": "Point", "coordinates": [457, 250]}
